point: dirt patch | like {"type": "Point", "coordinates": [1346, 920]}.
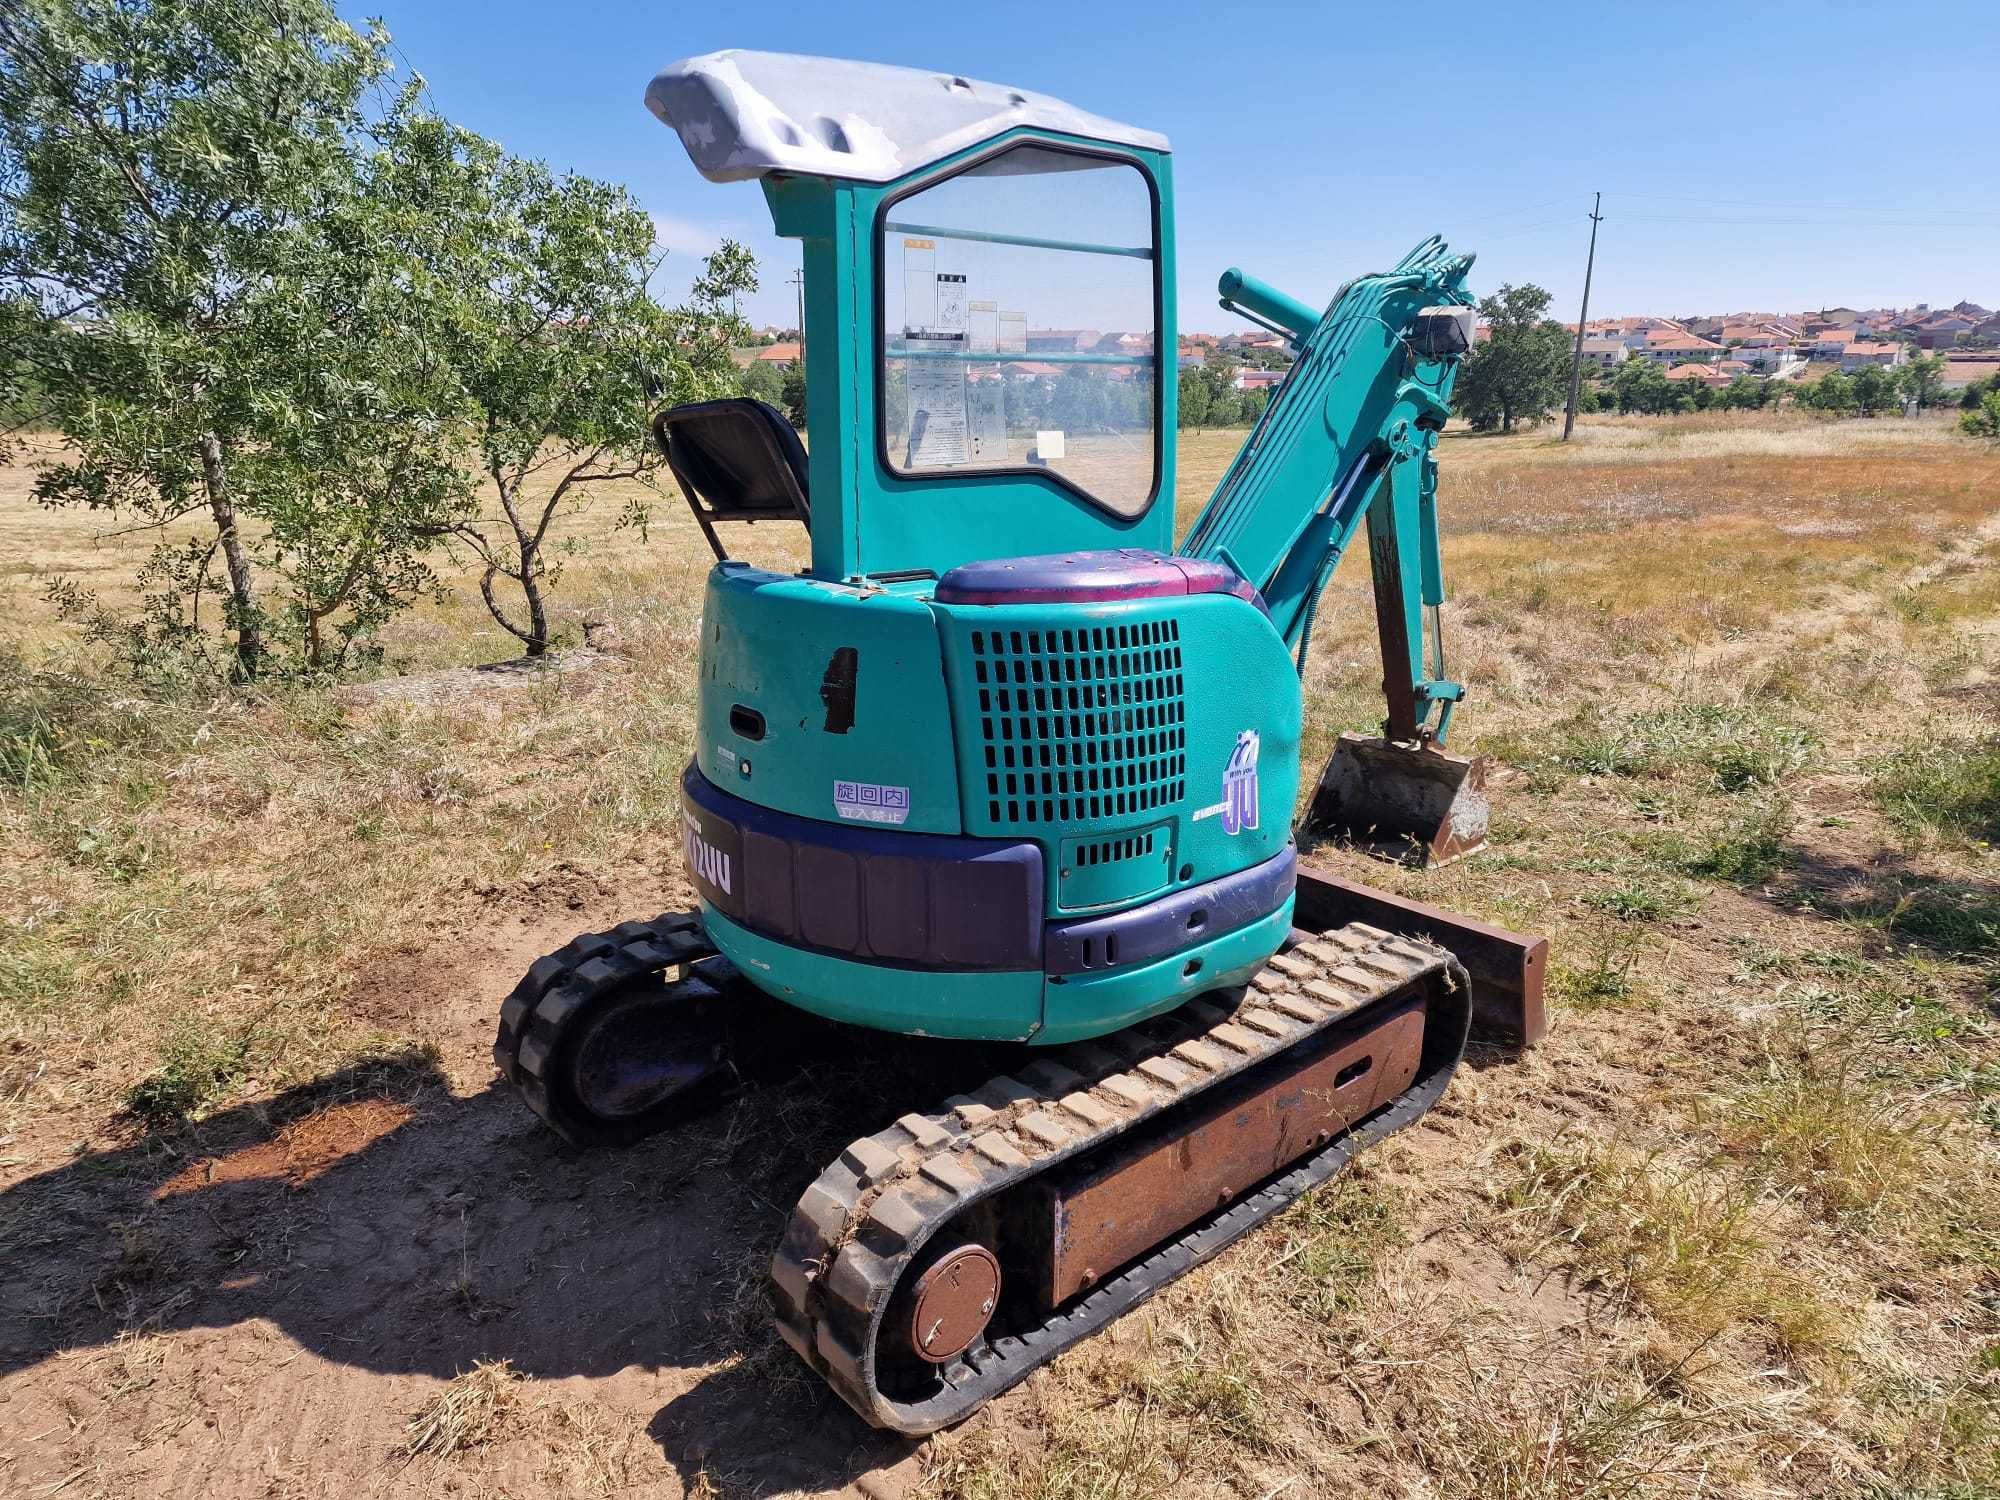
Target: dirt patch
{"type": "Point", "coordinates": [304, 1150]}
{"type": "Point", "coordinates": [446, 990]}
{"type": "Point", "coordinates": [349, 1248]}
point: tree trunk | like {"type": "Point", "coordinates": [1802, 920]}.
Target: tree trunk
{"type": "Point", "coordinates": [538, 615]}
{"type": "Point", "coordinates": [528, 548]}
{"type": "Point", "coordinates": [242, 587]}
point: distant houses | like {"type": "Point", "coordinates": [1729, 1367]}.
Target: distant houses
{"type": "Point", "coordinates": [1789, 345]}
{"type": "Point", "coordinates": [1677, 348]}
{"type": "Point", "coordinates": [1712, 349]}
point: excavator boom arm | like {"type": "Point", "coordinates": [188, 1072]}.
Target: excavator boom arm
{"type": "Point", "coordinates": [1347, 441]}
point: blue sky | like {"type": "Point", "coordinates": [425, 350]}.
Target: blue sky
{"type": "Point", "coordinates": [1769, 156]}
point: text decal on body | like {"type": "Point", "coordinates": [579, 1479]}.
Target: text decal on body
{"type": "Point", "coordinates": [867, 802]}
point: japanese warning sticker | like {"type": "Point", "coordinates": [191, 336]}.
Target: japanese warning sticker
{"type": "Point", "coordinates": [1239, 785]}
{"type": "Point", "coordinates": [951, 308]}
{"type": "Point", "coordinates": [866, 802]}
{"type": "Point", "coordinates": [937, 406]}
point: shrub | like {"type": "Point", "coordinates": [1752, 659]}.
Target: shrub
{"type": "Point", "coordinates": [1983, 420]}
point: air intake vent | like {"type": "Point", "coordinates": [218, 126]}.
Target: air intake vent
{"type": "Point", "coordinates": [1080, 725]}
{"type": "Point", "coordinates": [1110, 851]}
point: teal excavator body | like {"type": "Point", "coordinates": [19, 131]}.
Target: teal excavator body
{"type": "Point", "coordinates": [1004, 762]}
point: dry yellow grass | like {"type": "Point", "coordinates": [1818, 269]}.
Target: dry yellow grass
{"type": "Point", "coordinates": [1733, 1230]}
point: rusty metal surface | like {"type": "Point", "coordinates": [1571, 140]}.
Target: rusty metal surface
{"type": "Point", "coordinates": [1416, 806]}
{"type": "Point", "coordinates": [952, 1303]}
{"type": "Point", "coordinates": [1167, 1178]}
{"type": "Point", "coordinates": [1507, 969]}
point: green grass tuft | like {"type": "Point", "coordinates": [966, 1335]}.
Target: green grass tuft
{"type": "Point", "coordinates": [1943, 790]}
{"type": "Point", "coordinates": [1749, 851]}
{"type": "Point", "coordinates": [197, 1063]}
{"type": "Point", "coordinates": [1334, 1238]}
{"type": "Point", "coordinates": [1948, 916]}
{"type": "Point", "coordinates": [1642, 900]}
{"type": "Point", "coordinates": [1605, 981]}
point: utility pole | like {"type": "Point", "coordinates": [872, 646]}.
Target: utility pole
{"type": "Point", "coordinates": [1582, 317]}
{"type": "Point", "coordinates": [799, 282]}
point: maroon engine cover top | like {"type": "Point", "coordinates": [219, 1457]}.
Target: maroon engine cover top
{"type": "Point", "coordinates": [1090, 577]}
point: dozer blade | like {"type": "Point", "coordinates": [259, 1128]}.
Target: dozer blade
{"type": "Point", "coordinates": [1506, 969]}
{"type": "Point", "coordinates": [1418, 806]}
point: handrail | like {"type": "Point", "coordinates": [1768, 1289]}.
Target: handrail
{"type": "Point", "coordinates": [1032, 242]}
{"type": "Point", "coordinates": [984, 356]}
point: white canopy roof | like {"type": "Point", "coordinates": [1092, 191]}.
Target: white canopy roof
{"type": "Point", "coordinates": [743, 114]}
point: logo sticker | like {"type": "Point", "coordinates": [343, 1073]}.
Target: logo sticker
{"type": "Point", "coordinates": [867, 802]}
{"type": "Point", "coordinates": [705, 861]}
{"type": "Point", "coordinates": [1239, 785]}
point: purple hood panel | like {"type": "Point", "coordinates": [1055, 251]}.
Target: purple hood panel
{"type": "Point", "coordinates": [936, 901]}
{"type": "Point", "coordinates": [912, 900]}
{"type": "Point", "coordinates": [1089, 578]}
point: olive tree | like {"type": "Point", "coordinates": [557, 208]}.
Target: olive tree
{"type": "Point", "coordinates": [560, 353]}
{"type": "Point", "coordinates": [206, 290]}
{"type": "Point", "coordinates": [1520, 371]}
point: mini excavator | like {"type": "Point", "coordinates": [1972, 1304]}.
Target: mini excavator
{"type": "Point", "coordinates": [1005, 765]}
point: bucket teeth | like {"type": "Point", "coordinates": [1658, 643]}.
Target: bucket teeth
{"type": "Point", "coordinates": [1414, 804]}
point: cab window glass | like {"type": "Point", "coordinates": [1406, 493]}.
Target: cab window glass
{"type": "Point", "coordinates": [1017, 324]}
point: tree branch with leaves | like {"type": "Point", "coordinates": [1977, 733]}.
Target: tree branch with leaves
{"type": "Point", "coordinates": [560, 352]}
{"type": "Point", "coordinates": [215, 289]}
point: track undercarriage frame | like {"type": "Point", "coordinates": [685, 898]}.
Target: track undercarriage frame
{"type": "Point", "coordinates": [940, 1259]}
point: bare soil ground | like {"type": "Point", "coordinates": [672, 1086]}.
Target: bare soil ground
{"type": "Point", "coordinates": [268, 1226]}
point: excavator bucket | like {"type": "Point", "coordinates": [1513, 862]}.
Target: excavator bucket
{"type": "Point", "coordinates": [1420, 806]}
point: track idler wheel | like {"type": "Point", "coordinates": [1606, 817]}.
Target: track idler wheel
{"type": "Point", "coordinates": [621, 1034]}
{"type": "Point", "coordinates": [941, 1311]}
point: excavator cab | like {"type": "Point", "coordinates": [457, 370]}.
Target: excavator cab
{"type": "Point", "coordinates": [989, 340]}
{"type": "Point", "coordinates": [989, 296]}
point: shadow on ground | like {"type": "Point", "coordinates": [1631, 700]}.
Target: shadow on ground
{"type": "Point", "coordinates": [383, 1223]}
{"type": "Point", "coordinates": [1954, 918]}
{"type": "Point", "coordinates": [386, 1224]}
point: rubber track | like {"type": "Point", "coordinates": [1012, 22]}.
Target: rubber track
{"type": "Point", "coordinates": [560, 983]}
{"type": "Point", "coordinates": [857, 1228]}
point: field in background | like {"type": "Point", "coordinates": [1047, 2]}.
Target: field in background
{"type": "Point", "coordinates": [1733, 1230]}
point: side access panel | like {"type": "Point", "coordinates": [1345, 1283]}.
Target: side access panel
{"type": "Point", "coordinates": [825, 701]}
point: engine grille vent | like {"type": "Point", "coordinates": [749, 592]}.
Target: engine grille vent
{"type": "Point", "coordinates": [1081, 724]}
{"type": "Point", "coordinates": [1110, 851]}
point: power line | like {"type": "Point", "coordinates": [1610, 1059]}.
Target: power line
{"type": "Point", "coordinates": [1511, 213]}
{"type": "Point", "coordinates": [1817, 223]}
{"type": "Point", "coordinates": [1491, 239]}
